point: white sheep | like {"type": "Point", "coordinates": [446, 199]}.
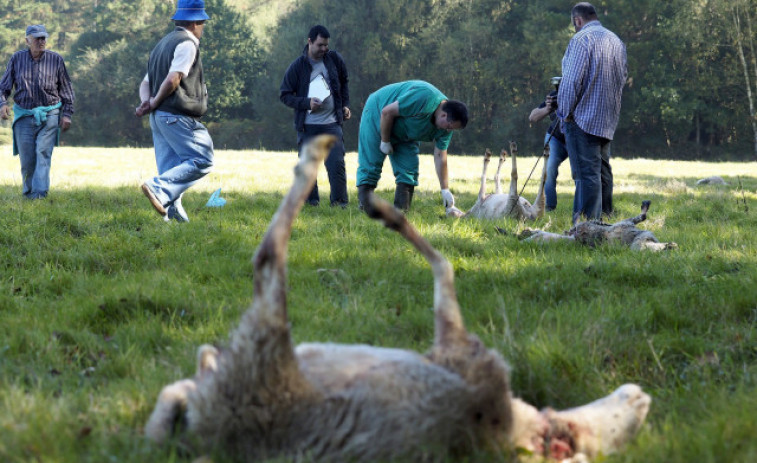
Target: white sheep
{"type": "Point", "coordinates": [500, 205]}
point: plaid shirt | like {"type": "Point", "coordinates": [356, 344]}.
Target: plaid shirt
{"type": "Point", "coordinates": [44, 82]}
{"type": "Point", "coordinates": [594, 71]}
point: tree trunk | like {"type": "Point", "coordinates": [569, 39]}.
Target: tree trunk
{"type": "Point", "coordinates": [745, 66]}
{"type": "Point", "coordinates": [698, 124]}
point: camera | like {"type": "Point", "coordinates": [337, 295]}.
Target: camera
{"type": "Point", "coordinates": [556, 82]}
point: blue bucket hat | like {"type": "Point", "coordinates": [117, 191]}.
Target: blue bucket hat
{"type": "Point", "coordinates": [190, 10]}
{"type": "Point", "coordinates": [37, 30]}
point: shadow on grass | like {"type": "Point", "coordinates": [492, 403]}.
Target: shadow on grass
{"type": "Point", "coordinates": [652, 182]}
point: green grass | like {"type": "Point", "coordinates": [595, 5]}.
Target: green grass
{"type": "Point", "coordinates": [6, 135]}
{"type": "Point", "coordinates": [101, 303]}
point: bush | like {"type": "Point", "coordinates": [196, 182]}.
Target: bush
{"type": "Point", "coordinates": [236, 134]}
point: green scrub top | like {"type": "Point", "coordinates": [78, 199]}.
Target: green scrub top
{"type": "Point", "coordinates": [417, 102]}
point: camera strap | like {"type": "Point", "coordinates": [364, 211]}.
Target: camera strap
{"type": "Point", "coordinates": [546, 145]}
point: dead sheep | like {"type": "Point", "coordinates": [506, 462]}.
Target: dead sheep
{"type": "Point", "coordinates": [260, 397]}
{"type": "Point", "coordinates": [593, 233]}
{"type": "Point", "coordinates": [714, 180]}
{"type": "Point", "coordinates": [500, 205]}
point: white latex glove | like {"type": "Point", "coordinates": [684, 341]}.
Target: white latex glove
{"type": "Point", "coordinates": [386, 148]}
{"type": "Point", "coordinates": [448, 199]}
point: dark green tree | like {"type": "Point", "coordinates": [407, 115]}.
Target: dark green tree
{"type": "Point", "coordinates": [110, 61]}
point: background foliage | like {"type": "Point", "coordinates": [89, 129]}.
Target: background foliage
{"type": "Point", "coordinates": [688, 94]}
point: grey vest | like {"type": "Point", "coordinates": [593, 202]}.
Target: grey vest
{"type": "Point", "coordinates": [191, 97]}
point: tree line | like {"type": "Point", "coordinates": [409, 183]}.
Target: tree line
{"type": "Point", "coordinates": [691, 93]}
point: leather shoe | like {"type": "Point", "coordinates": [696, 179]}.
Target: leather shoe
{"type": "Point", "coordinates": [153, 199]}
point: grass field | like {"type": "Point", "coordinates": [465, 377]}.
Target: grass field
{"type": "Point", "coordinates": [102, 303]}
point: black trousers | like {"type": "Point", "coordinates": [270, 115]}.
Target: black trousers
{"type": "Point", "coordinates": [334, 163]}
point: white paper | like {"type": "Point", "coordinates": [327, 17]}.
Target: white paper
{"type": "Point", "coordinates": [319, 88]}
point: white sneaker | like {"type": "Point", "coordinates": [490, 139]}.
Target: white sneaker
{"type": "Point", "coordinates": [176, 212]}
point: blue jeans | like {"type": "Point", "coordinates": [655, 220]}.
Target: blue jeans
{"type": "Point", "coordinates": [590, 162]}
{"type": "Point", "coordinates": [335, 166]}
{"type": "Point", "coordinates": [557, 154]}
{"type": "Point", "coordinates": [35, 146]}
{"type": "Point", "coordinates": [183, 153]}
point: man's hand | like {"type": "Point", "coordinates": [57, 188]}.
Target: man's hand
{"type": "Point", "coordinates": [386, 148]}
{"type": "Point", "coordinates": [347, 113]}
{"type": "Point", "coordinates": [447, 199]}
{"type": "Point", "coordinates": [143, 109]}
{"type": "Point", "coordinates": [5, 111]}
{"type": "Point", "coordinates": [315, 103]}
{"type": "Point", "coordinates": [65, 123]}
{"type": "Point", "coordinates": [551, 102]}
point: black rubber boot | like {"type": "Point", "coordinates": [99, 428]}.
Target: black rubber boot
{"type": "Point", "coordinates": [403, 196]}
{"type": "Point", "coordinates": [363, 191]}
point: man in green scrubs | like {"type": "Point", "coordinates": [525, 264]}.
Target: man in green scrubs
{"type": "Point", "coordinates": [395, 119]}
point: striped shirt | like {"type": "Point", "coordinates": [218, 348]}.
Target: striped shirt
{"type": "Point", "coordinates": [594, 71]}
{"type": "Point", "coordinates": [42, 82]}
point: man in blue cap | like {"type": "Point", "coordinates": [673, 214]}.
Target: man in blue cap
{"type": "Point", "coordinates": [43, 104]}
{"type": "Point", "coordinates": [174, 94]}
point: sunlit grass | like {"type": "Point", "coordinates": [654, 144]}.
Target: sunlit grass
{"type": "Point", "coordinates": [101, 303]}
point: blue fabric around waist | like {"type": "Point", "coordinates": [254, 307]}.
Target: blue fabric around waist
{"type": "Point", "coordinates": [39, 114]}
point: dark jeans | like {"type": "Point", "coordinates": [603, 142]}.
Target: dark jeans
{"type": "Point", "coordinates": [334, 163]}
{"type": "Point", "coordinates": [590, 162]}
{"type": "Point", "coordinates": [557, 154]}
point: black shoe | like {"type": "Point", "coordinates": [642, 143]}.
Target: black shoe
{"type": "Point", "coordinates": [313, 202]}
{"type": "Point", "coordinates": [363, 191]}
{"type": "Point", "coordinates": [341, 204]}
{"type": "Point", "coordinates": [403, 196]}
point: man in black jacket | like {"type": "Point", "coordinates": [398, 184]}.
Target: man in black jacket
{"type": "Point", "coordinates": [315, 86]}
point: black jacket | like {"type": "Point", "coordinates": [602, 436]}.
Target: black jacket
{"type": "Point", "coordinates": [294, 87]}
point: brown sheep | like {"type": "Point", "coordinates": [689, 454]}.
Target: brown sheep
{"type": "Point", "coordinates": [261, 397]}
{"type": "Point", "coordinates": [592, 233]}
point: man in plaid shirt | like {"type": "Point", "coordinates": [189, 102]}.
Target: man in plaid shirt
{"type": "Point", "coordinates": [594, 72]}
{"type": "Point", "coordinates": [43, 104]}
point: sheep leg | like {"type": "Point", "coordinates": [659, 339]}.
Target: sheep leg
{"type": "Point", "coordinates": [269, 294]}
{"type": "Point", "coordinates": [454, 349]}
{"type": "Point", "coordinates": [601, 427]}
{"type": "Point", "coordinates": [514, 172]}
{"type": "Point", "coordinates": [604, 426]}
{"type": "Point", "coordinates": [168, 415]}
{"type": "Point", "coordinates": [482, 189]}
{"type": "Point", "coordinates": [449, 328]}
{"type": "Point", "coordinates": [258, 372]}
{"type": "Point", "coordinates": [643, 216]}
{"type": "Point", "coordinates": [512, 198]}
{"type": "Point", "coordinates": [497, 182]}
{"type": "Point", "coordinates": [540, 236]}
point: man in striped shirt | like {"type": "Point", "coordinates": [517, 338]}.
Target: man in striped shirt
{"type": "Point", "coordinates": [594, 73]}
{"type": "Point", "coordinates": [43, 104]}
